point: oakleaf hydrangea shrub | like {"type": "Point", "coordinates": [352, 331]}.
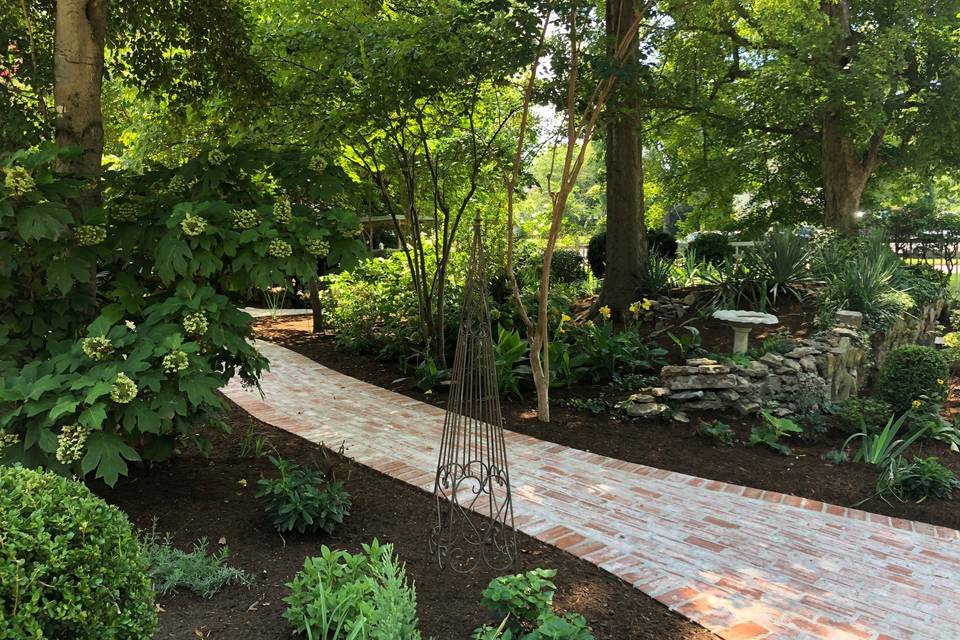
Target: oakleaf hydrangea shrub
{"type": "Point", "coordinates": [364, 594]}
{"type": "Point", "coordinates": [911, 374]}
{"type": "Point", "coordinates": [70, 564]}
{"type": "Point", "coordinates": [132, 361]}
{"type": "Point", "coordinates": [525, 603]}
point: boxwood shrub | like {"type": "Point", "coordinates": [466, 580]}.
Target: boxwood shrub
{"type": "Point", "coordinates": [910, 373]}
{"type": "Point", "coordinates": [70, 564]}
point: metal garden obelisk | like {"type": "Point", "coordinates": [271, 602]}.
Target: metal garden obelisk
{"type": "Point", "coordinates": [474, 523]}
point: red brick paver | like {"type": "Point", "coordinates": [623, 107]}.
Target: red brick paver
{"type": "Point", "coordinates": [731, 558]}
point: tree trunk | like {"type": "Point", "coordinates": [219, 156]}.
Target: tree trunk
{"type": "Point", "coordinates": [845, 177]}
{"type": "Point", "coordinates": [77, 76]}
{"type": "Point", "coordinates": [626, 220]}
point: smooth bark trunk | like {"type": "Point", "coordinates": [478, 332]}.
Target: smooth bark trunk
{"type": "Point", "coordinates": [626, 253]}
{"type": "Point", "coordinates": [845, 175]}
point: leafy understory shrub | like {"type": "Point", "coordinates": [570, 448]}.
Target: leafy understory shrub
{"type": "Point", "coordinates": [917, 480]}
{"type": "Point", "coordinates": [339, 595]}
{"type": "Point", "coordinates": [712, 248]}
{"type": "Point", "coordinates": [70, 564]}
{"type": "Point", "coordinates": [862, 414]}
{"type": "Point", "coordinates": [303, 500]}
{"type": "Point", "coordinates": [133, 372]}
{"type": "Point", "coordinates": [203, 573]}
{"type": "Point", "coordinates": [595, 406]}
{"type": "Point", "coordinates": [721, 432]}
{"type": "Point", "coordinates": [910, 372]}
{"type": "Point", "coordinates": [524, 602]}
{"type": "Point", "coordinates": [772, 431]}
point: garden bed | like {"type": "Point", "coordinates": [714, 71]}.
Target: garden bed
{"type": "Point", "coordinates": [193, 496]}
{"type": "Point", "coordinates": [663, 444]}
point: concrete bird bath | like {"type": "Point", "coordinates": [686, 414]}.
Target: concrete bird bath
{"type": "Point", "coordinates": [742, 322]}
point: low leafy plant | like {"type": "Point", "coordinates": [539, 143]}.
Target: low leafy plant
{"type": "Point", "coordinates": [880, 447]}
{"type": "Point", "coordinates": [302, 499]}
{"type": "Point", "coordinates": [343, 596]}
{"type": "Point", "coordinates": [779, 342]}
{"type": "Point", "coordinates": [861, 414]}
{"type": "Point", "coordinates": [203, 573]}
{"type": "Point", "coordinates": [772, 431]}
{"type": "Point", "coordinates": [252, 445]}
{"type": "Point", "coordinates": [70, 564]}
{"type": "Point", "coordinates": [510, 353]}
{"type": "Point", "coordinates": [525, 603]}
{"type": "Point", "coordinates": [836, 456]}
{"type": "Point", "coordinates": [721, 432]}
{"type": "Point", "coordinates": [634, 381]}
{"type": "Point", "coordinates": [429, 375]}
{"type": "Point", "coordinates": [596, 406]}
{"type": "Point", "coordinates": [912, 371]}
{"type": "Point", "coordinates": [600, 353]}
{"type": "Point", "coordinates": [917, 480]}
{"type": "Point", "coordinates": [689, 342]}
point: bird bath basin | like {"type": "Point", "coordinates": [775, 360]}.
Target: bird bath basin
{"type": "Point", "coordinates": [742, 323]}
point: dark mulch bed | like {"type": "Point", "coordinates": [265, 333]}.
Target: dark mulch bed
{"type": "Point", "coordinates": [662, 444]}
{"type": "Point", "coordinates": [193, 497]}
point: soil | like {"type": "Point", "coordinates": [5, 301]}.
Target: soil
{"type": "Point", "coordinates": [665, 444]}
{"type": "Point", "coordinates": [193, 496]}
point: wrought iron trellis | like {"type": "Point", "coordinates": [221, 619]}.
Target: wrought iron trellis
{"type": "Point", "coordinates": [472, 488]}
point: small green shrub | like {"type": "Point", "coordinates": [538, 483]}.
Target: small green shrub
{"type": "Point", "coordinates": [510, 352]}
{"type": "Point", "coordinates": [567, 267]}
{"type": "Point", "coordinates": [525, 602]}
{"type": "Point", "coordinates": [778, 342]}
{"type": "Point", "coordinates": [203, 573]}
{"type": "Point", "coordinates": [721, 432]}
{"type": "Point", "coordinates": [712, 248]}
{"type": "Point", "coordinates": [597, 254]}
{"type": "Point", "coordinates": [836, 456]}
{"type": "Point", "coordinates": [363, 596]}
{"type": "Point", "coordinates": [662, 244]}
{"type": "Point", "coordinates": [303, 500]}
{"type": "Point", "coordinates": [918, 480]}
{"type": "Point", "coordinates": [772, 431]}
{"type": "Point", "coordinates": [862, 414]}
{"type": "Point", "coordinates": [70, 564]}
{"type": "Point", "coordinates": [910, 372]}
{"type": "Point", "coordinates": [595, 406]}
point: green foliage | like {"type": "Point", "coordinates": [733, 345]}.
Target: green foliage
{"type": "Point", "coordinates": [923, 282]}
{"type": "Point", "coordinates": [881, 447]}
{"type": "Point", "coordinates": [918, 480]}
{"type": "Point", "coordinates": [595, 406]}
{"type": "Point", "coordinates": [510, 351]}
{"type": "Point", "coordinates": [836, 456]}
{"type": "Point", "coordinates": [712, 248]}
{"type": "Point", "coordinates": [772, 431]}
{"type": "Point", "coordinates": [600, 353]}
{"type": "Point", "coordinates": [860, 414]}
{"type": "Point", "coordinates": [252, 445]}
{"type": "Point", "coordinates": [721, 432]}
{"type": "Point", "coordinates": [688, 342]}
{"type": "Point", "coordinates": [778, 342]}
{"type": "Point", "coordinates": [567, 267]}
{"type": "Point", "coordinates": [780, 260]}
{"type": "Point", "coordinates": [597, 254]}
{"type": "Point", "coordinates": [912, 371]}
{"type": "Point", "coordinates": [525, 602]}
{"type": "Point", "coordinates": [203, 573]}
{"type": "Point", "coordinates": [662, 244]}
{"type": "Point", "coordinates": [303, 500]}
{"type": "Point", "coordinates": [363, 596]}
{"type": "Point", "coordinates": [865, 276]}
{"type": "Point", "coordinates": [136, 367]}
{"type": "Point", "coordinates": [657, 275]}
{"type": "Point", "coordinates": [70, 564]}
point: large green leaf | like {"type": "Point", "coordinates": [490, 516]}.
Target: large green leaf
{"type": "Point", "coordinates": [42, 221]}
{"type": "Point", "coordinates": [108, 454]}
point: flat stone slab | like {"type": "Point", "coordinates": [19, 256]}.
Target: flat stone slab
{"type": "Point", "coordinates": [744, 563]}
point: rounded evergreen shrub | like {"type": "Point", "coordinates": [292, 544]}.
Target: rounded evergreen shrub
{"type": "Point", "coordinates": [70, 564]}
{"type": "Point", "coordinates": [567, 267]}
{"type": "Point", "coordinates": [662, 243]}
{"type": "Point", "coordinates": [714, 248]}
{"type": "Point", "coordinates": [597, 254]}
{"type": "Point", "coordinates": [910, 372]}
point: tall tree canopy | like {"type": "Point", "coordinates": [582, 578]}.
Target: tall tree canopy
{"type": "Point", "coordinates": [801, 102]}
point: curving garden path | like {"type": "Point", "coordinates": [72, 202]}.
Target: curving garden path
{"type": "Point", "coordinates": [744, 563]}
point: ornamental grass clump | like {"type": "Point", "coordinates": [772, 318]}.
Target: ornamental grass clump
{"type": "Point", "coordinates": [70, 564]}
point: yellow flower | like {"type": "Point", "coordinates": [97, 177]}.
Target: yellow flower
{"type": "Point", "coordinates": [605, 312]}
{"type": "Point", "coordinates": [242, 482]}
{"type": "Point", "coordinates": [940, 381]}
{"type": "Point", "coordinates": [916, 404]}
{"type": "Point", "coordinates": [647, 304]}
{"type": "Point", "coordinates": [635, 309]}
{"type": "Point", "coordinates": [565, 318]}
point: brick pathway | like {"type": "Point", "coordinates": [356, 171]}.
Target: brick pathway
{"type": "Point", "coordinates": [742, 562]}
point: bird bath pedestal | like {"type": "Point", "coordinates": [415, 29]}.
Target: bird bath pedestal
{"type": "Point", "coordinates": [742, 323]}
